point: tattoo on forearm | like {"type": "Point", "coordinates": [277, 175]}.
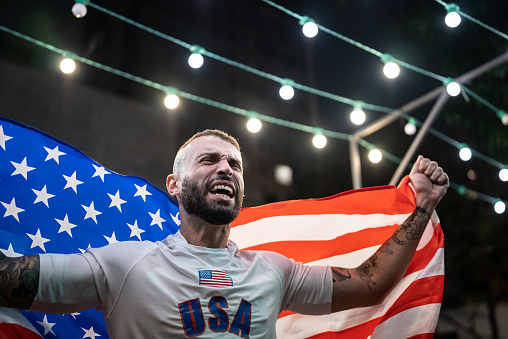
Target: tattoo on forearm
{"type": "Point", "coordinates": [19, 281]}
{"type": "Point", "coordinates": [340, 274]}
{"type": "Point", "coordinates": [364, 271]}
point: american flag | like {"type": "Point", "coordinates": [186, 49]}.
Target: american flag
{"type": "Point", "coordinates": [53, 198]}
{"type": "Point", "coordinates": [215, 278]}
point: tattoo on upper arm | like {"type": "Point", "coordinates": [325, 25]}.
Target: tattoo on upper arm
{"type": "Point", "coordinates": [364, 271]}
{"type": "Point", "coordinates": [19, 281]}
{"type": "Point", "coordinates": [340, 274]}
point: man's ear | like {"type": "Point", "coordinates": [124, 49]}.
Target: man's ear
{"type": "Point", "coordinates": [173, 184]}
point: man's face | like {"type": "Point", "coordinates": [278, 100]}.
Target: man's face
{"type": "Point", "coordinates": [212, 181]}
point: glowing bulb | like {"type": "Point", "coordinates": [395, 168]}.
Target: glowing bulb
{"type": "Point", "coordinates": [465, 153]}
{"type": "Point", "coordinates": [391, 70]}
{"type": "Point", "coordinates": [504, 119]}
{"type": "Point", "coordinates": [196, 60]}
{"type": "Point", "coordinates": [283, 175]}
{"type": "Point", "coordinates": [357, 116]}
{"type": "Point", "coordinates": [67, 65]}
{"type": "Point", "coordinates": [286, 92]}
{"type": "Point", "coordinates": [79, 10]}
{"type": "Point", "coordinates": [453, 88]}
{"type": "Point", "coordinates": [499, 207]}
{"type": "Point", "coordinates": [503, 174]}
{"type": "Point", "coordinates": [254, 125]}
{"type": "Point", "coordinates": [310, 29]}
{"type": "Point", "coordinates": [319, 141]}
{"type": "Point", "coordinates": [410, 128]}
{"type": "Point", "coordinates": [452, 19]}
{"type": "Point", "coordinates": [171, 101]}
{"type": "Point", "coordinates": [375, 156]}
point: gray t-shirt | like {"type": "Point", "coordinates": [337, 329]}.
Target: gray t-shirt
{"type": "Point", "coordinates": [171, 289]}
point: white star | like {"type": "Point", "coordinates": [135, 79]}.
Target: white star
{"type": "Point", "coordinates": [135, 230]}
{"type": "Point", "coordinates": [22, 168]}
{"type": "Point", "coordinates": [38, 240]}
{"type": "Point", "coordinates": [90, 333]}
{"type": "Point", "coordinates": [3, 137]}
{"type": "Point", "coordinates": [112, 239]}
{"type": "Point", "coordinates": [156, 218]}
{"type": "Point", "coordinates": [83, 251]}
{"type": "Point", "coordinates": [72, 182]}
{"type": "Point", "coordinates": [65, 225]}
{"type": "Point", "coordinates": [116, 200]}
{"type": "Point", "coordinates": [10, 252]}
{"type": "Point", "coordinates": [53, 154]}
{"type": "Point", "coordinates": [47, 325]}
{"type": "Point", "coordinates": [142, 192]}
{"type": "Point", "coordinates": [91, 212]}
{"type": "Point", "coordinates": [99, 172]}
{"type": "Point", "coordinates": [12, 209]}
{"type": "Point", "coordinates": [42, 196]}
{"type": "Point", "coordinates": [74, 314]}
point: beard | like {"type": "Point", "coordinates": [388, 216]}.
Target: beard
{"type": "Point", "coordinates": [193, 200]}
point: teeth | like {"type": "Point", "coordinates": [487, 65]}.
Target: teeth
{"type": "Point", "coordinates": [222, 187]}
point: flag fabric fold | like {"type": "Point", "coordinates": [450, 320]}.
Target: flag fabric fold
{"type": "Point", "coordinates": [53, 198]}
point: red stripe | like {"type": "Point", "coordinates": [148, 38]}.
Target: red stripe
{"type": "Point", "coordinates": [15, 331]}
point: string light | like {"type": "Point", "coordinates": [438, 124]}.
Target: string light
{"type": "Point", "coordinates": [503, 174]}
{"type": "Point", "coordinates": [67, 65]}
{"type": "Point", "coordinates": [501, 114]}
{"type": "Point", "coordinates": [79, 8]}
{"type": "Point", "coordinates": [171, 100]}
{"type": "Point", "coordinates": [196, 58]}
{"type": "Point", "coordinates": [410, 127]}
{"type": "Point", "coordinates": [375, 156]}
{"type": "Point", "coordinates": [452, 87]}
{"type": "Point", "coordinates": [309, 29]}
{"type": "Point", "coordinates": [319, 140]}
{"type": "Point", "coordinates": [465, 152]}
{"type": "Point", "coordinates": [254, 124]}
{"type": "Point", "coordinates": [357, 116]}
{"type": "Point", "coordinates": [452, 18]}
{"type": "Point", "coordinates": [499, 207]}
{"type": "Point", "coordinates": [286, 91]}
{"type": "Point", "coordinates": [391, 70]}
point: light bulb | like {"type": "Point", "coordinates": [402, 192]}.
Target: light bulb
{"type": "Point", "coordinates": [286, 92]}
{"type": "Point", "coordinates": [283, 175]}
{"type": "Point", "coordinates": [453, 88]}
{"type": "Point", "coordinates": [254, 125]}
{"type": "Point", "coordinates": [171, 101]}
{"type": "Point", "coordinates": [452, 19]}
{"type": "Point", "coordinates": [499, 207]}
{"type": "Point", "coordinates": [503, 174]}
{"type": "Point", "coordinates": [375, 156]}
{"type": "Point", "coordinates": [310, 29]}
{"type": "Point", "coordinates": [357, 116]}
{"type": "Point", "coordinates": [319, 141]}
{"type": "Point", "coordinates": [391, 70]}
{"type": "Point", "coordinates": [196, 60]}
{"type": "Point", "coordinates": [79, 10]}
{"type": "Point", "coordinates": [410, 128]}
{"type": "Point", "coordinates": [504, 119]}
{"type": "Point", "coordinates": [67, 65]}
{"type": "Point", "coordinates": [465, 153]}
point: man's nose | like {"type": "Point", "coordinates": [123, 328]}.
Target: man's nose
{"type": "Point", "coordinates": [223, 167]}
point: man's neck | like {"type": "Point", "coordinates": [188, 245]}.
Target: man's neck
{"type": "Point", "coordinates": [200, 233]}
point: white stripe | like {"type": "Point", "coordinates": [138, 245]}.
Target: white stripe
{"type": "Point", "coordinates": [12, 316]}
{"type": "Point", "coordinates": [303, 227]}
{"type": "Point", "coordinates": [301, 326]}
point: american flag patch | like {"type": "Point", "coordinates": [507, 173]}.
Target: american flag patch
{"type": "Point", "coordinates": [215, 278]}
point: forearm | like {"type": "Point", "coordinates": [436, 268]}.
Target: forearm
{"type": "Point", "coordinates": [19, 280]}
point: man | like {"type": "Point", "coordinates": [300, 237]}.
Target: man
{"type": "Point", "coordinates": [195, 283]}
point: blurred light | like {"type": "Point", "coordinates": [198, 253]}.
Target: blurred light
{"type": "Point", "coordinates": [357, 116]}
{"type": "Point", "coordinates": [283, 175]}
{"type": "Point", "coordinates": [410, 127]}
{"type": "Point", "coordinates": [67, 65]}
{"type": "Point", "coordinates": [375, 156]}
{"type": "Point", "coordinates": [286, 92]}
{"type": "Point", "coordinates": [503, 116]}
{"type": "Point", "coordinates": [79, 9]}
{"type": "Point", "coordinates": [319, 141]}
{"type": "Point", "coordinates": [453, 88]}
{"type": "Point", "coordinates": [452, 18]}
{"type": "Point", "coordinates": [465, 153]}
{"type": "Point", "coordinates": [310, 29]}
{"type": "Point", "coordinates": [499, 207]}
{"type": "Point", "coordinates": [254, 125]}
{"type": "Point", "coordinates": [171, 101]}
{"type": "Point", "coordinates": [503, 174]}
{"type": "Point", "coordinates": [196, 60]}
{"type": "Point", "coordinates": [391, 70]}
{"type": "Point", "coordinates": [471, 175]}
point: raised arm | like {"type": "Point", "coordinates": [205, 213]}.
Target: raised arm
{"type": "Point", "coordinates": [370, 282]}
{"type": "Point", "coordinates": [19, 280]}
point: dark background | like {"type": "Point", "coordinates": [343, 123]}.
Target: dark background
{"type": "Point", "coordinates": [124, 125]}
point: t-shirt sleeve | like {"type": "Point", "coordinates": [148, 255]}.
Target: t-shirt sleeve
{"type": "Point", "coordinates": [307, 289]}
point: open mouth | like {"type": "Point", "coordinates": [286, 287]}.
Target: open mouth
{"type": "Point", "coordinates": [223, 191]}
